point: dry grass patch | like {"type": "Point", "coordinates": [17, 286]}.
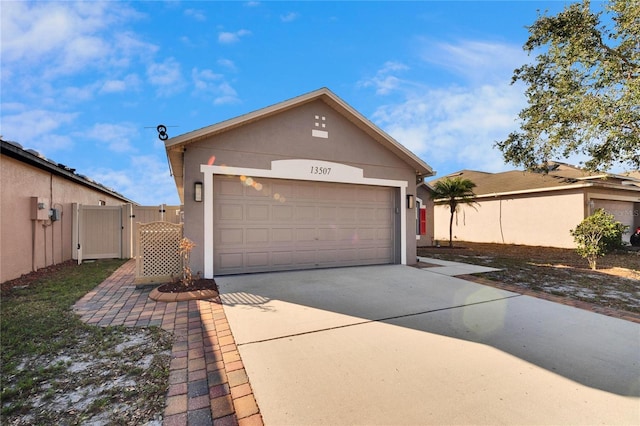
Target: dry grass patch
{"type": "Point", "coordinates": [615, 284]}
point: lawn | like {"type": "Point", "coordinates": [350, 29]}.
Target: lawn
{"type": "Point", "coordinates": [58, 370]}
{"type": "Point", "coordinates": [615, 284]}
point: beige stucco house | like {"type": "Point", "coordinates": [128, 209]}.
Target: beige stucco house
{"type": "Point", "coordinates": [306, 183]}
{"type": "Point", "coordinates": [518, 207]}
{"type": "Point", "coordinates": [37, 202]}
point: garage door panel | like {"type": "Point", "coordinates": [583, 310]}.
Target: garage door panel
{"type": "Point", "coordinates": [305, 234]}
{"type": "Point", "coordinates": [282, 235]}
{"type": "Point", "coordinates": [305, 213]}
{"type": "Point", "coordinates": [258, 212]}
{"type": "Point", "coordinates": [231, 212]}
{"type": "Point", "coordinates": [305, 257]}
{"type": "Point", "coordinates": [326, 213]}
{"type": "Point", "coordinates": [231, 187]}
{"type": "Point", "coordinates": [384, 215]}
{"type": "Point", "coordinates": [301, 225]}
{"type": "Point", "coordinates": [282, 213]}
{"type": "Point", "coordinates": [384, 234]}
{"type": "Point", "coordinates": [257, 235]}
{"type": "Point", "coordinates": [282, 258]}
{"type": "Point", "coordinates": [258, 259]}
{"type": "Point", "coordinates": [231, 236]}
{"type": "Point", "coordinates": [326, 193]}
{"type": "Point", "coordinates": [327, 234]}
{"type": "Point", "coordinates": [326, 257]}
{"type": "Point", "coordinates": [346, 214]}
{"type": "Point", "coordinates": [305, 191]}
{"type": "Point", "coordinates": [230, 260]}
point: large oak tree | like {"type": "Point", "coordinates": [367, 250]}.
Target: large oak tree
{"type": "Point", "coordinates": [583, 89]}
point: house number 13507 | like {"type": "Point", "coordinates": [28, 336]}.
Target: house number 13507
{"type": "Point", "coordinates": [315, 170]}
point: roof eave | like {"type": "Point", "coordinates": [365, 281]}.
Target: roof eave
{"type": "Point", "coordinates": [26, 157]}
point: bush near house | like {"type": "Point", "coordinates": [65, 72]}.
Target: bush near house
{"type": "Point", "coordinates": [598, 235]}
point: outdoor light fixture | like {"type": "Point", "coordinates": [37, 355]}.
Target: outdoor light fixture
{"type": "Point", "coordinates": [410, 201]}
{"type": "Point", "coordinates": [197, 191]}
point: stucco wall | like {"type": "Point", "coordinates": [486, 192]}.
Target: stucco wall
{"type": "Point", "coordinates": [288, 136]}
{"type": "Point", "coordinates": [536, 220]}
{"type": "Point", "coordinates": [27, 245]}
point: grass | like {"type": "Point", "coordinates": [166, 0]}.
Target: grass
{"type": "Point", "coordinates": [51, 359]}
{"type": "Point", "coordinates": [616, 283]}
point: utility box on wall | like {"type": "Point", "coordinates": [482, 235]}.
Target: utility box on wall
{"type": "Point", "coordinates": [39, 208]}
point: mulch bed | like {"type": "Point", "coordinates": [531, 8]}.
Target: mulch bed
{"type": "Point", "coordinates": [27, 279]}
{"type": "Point", "coordinates": [178, 287]}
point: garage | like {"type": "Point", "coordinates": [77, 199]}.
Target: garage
{"type": "Point", "coordinates": [306, 183]}
{"type": "Point", "coordinates": [276, 224]}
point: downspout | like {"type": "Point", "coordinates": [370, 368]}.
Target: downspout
{"type": "Point", "coordinates": [501, 232]}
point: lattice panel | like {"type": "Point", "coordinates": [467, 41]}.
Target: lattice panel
{"type": "Point", "coordinates": [158, 244]}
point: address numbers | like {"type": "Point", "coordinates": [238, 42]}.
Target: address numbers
{"type": "Point", "coordinates": [316, 170]}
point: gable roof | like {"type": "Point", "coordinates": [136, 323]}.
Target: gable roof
{"type": "Point", "coordinates": [522, 182]}
{"type": "Point", "coordinates": [36, 159]}
{"type": "Point", "coordinates": [175, 145]}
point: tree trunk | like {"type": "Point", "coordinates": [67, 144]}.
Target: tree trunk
{"type": "Point", "coordinates": [451, 230]}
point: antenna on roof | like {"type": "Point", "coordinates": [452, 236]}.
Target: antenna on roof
{"type": "Point", "coordinates": [162, 131]}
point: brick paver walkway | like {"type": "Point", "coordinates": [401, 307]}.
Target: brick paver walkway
{"type": "Point", "coordinates": [208, 384]}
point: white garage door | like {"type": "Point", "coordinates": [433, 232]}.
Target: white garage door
{"type": "Point", "coordinates": [273, 225]}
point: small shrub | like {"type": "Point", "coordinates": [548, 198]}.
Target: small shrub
{"type": "Point", "coordinates": [597, 235]}
{"type": "Point", "coordinates": [184, 249]}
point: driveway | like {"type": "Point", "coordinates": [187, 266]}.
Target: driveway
{"type": "Point", "coordinates": [399, 345]}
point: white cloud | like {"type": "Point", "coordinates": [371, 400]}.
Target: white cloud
{"type": "Point", "coordinates": [227, 63]}
{"type": "Point", "coordinates": [477, 61]}
{"type": "Point", "coordinates": [36, 129]}
{"type": "Point", "coordinates": [166, 76]}
{"type": "Point", "coordinates": [145, 180]}
{"type": "Point", "coordinates": [196, 14]}
{"type": "Point", "coordinates": [383, 81]}
{"type": "Point", "coordinates": [66, 35]}
{"type": "Point", "coordinates": [289, 17]}
{"type": "Point", "coordinates": [229, 37]}
{"type": "Point", "coordinates": [455, 127]}
{"type": "Point", "coordinates": [128, 83]}
{"type": "Point", "coordinates": [116, 137]}
{"type": "Point", "coordinates": [211, 85]}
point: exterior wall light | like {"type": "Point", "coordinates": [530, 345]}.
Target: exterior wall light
{"type": "Point", "coordinates": [411, 201]}
{"type": "Point", "coordinates": [197, 191]}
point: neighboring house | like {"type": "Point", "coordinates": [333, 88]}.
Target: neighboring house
{"type": "Point", "coordinates": [38, 198]}
{"type": "Point", "coordinates": [303, 184]}
{"type": "Point", "coordinates": [538, 209]}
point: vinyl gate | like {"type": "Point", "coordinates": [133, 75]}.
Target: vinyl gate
{"type": "Point", "coordinates": [106, 232]}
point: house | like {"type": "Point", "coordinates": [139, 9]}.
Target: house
{"type": "Point", "coordinates": [538, 209]}
{"type": "Point", "coordinates": [306, 183]}
{"type": "Point", "coordinates": [38, 210]}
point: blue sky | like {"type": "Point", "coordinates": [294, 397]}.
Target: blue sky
{"type": "Point", "coordinates": [87, 83]}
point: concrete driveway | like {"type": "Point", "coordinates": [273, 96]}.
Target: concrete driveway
{"type": "Point", "coordinates": [398, 345]}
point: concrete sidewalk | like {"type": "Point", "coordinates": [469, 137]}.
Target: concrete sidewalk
{"type": "Point", "coordinates": [399, 345]}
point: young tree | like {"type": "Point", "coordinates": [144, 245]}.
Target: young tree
{"type": "Point", "coordinates": [583, 90]}
{"type": "Point", "coordinates": [454, 191]}
{"type": "Point", "coordinates": [597, 235]}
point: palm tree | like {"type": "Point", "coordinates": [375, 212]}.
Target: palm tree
{"type": "Point", "coordinates": [454, 191]}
